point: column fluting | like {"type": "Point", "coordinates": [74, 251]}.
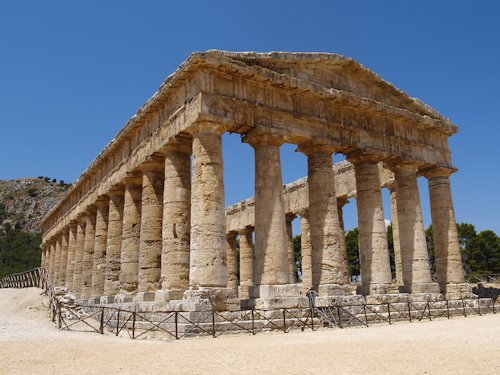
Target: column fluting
{"type": "Point", "coordinates": [100, 244]}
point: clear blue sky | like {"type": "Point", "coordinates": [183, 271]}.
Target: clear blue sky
{"type": "Point", "coordinates": [73, 72]}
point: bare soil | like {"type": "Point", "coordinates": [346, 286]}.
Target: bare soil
{"type": "Point", "coordinates": [31, 344]}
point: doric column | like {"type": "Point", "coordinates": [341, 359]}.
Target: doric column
{"type": "Point", "coordinates": [246, 262]}
{"type": "Point", "coordinates": [100, 244]}
{"type": "Point", "coordinates": [232, 262]}
{"type": "Point", "coordinates": [414, 255]}
{"type": "Point", "coordinates": [395, 237]}
{"type": "Point", "coordinates": [57, 261]}
{"type": "Point", "coordinates": [305, 249]}
{"type": "Point", "coordinates": [176, 216]}
{"type": "Point", "coordinates": [208, 266]}
{"type": "Point", "coordinates": [70, 268]}
{"type": "Point", "coordinates": [64, 257]}
{"type": "Point", "coordinates": [88, 252]}
{"type": "Point", "coordinates": [271, 243]}
{"type": "Point", "coordinates": [153, 177]}
{"type": "Point", "coordinates": [52, 260]}
{"type": "Point", "coordinates": [291, 253]}
{"type": "Point", "coordinates": [79, 251]}
{"type": "Point", "coordinates": [373, 249]}
{"type": "Point", "coordinates": [329, 260]}
{"type": "Point", "coordinates": [444, 228]}
{"type": "Point", "coordinates": [114, 241]}
{"type": "Point", "coordinates": [131, 231]}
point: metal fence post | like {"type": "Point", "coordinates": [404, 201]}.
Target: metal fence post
{"type": "Point", "coordinates": [213, 324]}
{"type": "Point", "coordinates": [118, 323]}
{"type": "Point", "coordinates": [409, 310]}
{"type": "Point", "coordinates": [447, 309]}
{"type": "Point", "coordinates": [339, 316]}
{"type": "Point", "coordinates": [389, 312]}
{"type": "Point", "coordinates": [284, 321]}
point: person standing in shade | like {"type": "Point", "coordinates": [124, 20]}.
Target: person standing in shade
{"type": "Point", "coordinates": [311, 295]}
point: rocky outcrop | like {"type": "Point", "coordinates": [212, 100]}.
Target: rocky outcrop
{"type": "Point", "coordinates": [24, 201]}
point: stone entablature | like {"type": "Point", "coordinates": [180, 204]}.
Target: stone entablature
{"type": "Point", "coordinates": [149, 215]}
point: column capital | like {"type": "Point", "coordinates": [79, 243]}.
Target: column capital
{"type": "Point", "coordinates": [402, 167]}
{"type": "Point", "coordinates": [437, 171]}
{"type": "Point", "coordinates": [102, 201]}
{"type": "Point", "coordinates": [360, 157]}
{"type": "Point", "coordinates": [342, 201]}
{"type": "Point", "coordinates": [290, 216]}
{"type": "Point", "coordinates": [304, 212]}
{"type": "Point", "coordinates": [117, 190]}
{"type": "Point", "coordinates": [73, 224]}
{"type": "Point", "coordinates": [178, 145]}
{"type": "Point", "coordinates": [314, 147]}
{"type": "Point", "coordinates": [257, 137]}
{"type": "Point", "coordinates": [246, 230]}
{"type": "Point", "coordinates": [207, 127]}
{"type": "Point", "coordinates": [90, 210]}
{"type": "Point", "coordinates": [153, 163]}
{"type": "Point", "coordinates": [132, 178]}
{"type": "Point", "coordinates": [231, 236]}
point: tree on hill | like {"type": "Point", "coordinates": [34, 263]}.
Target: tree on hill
{"type": "Point", "coordinates": [19, 251]}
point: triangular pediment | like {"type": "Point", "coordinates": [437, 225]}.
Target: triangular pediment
{"type": "Point", "coordinates": [333, 71]}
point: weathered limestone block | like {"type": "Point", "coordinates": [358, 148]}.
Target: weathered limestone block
{"type": "Point", "coordinates": [129, 271]}
{"type": "Point", "coordinates": [232, 262]}
{"type": "Point", "coordinates": [114, 241]}
{"type": "Point", "coordinates": [100, 244]}
{"type": "Point", "coordinates": [414, 256]}
{"type": "Point", "coordinates": [246, 262]}
{"type": "Point", "coordinates": [208, 266]}
{"type": "Point", "coordinates": [444, 229]}
{"type": "Point", "coordinates": [151, 224]}
{"type": "Point", "coordinates": [306, 250]}
{"type": "Point", "coordinates": [395, 237]}
{"type": "Point", "coordinates": [79, 251]}
{"type": "Point", "coordinates": [329, 260]}
{"type": "Point", "coordinates": [176, 216]}
{"type": "Point", "coordinates": [271, 251]}
{"type": "Point", "coordinates": [373, 248]}
{"type": "Point", "coordinates": [88, 252]}
{"type": "Point", "coordinates": [70, 268]}
{"type": "Point", "coordinates": [291, 253]}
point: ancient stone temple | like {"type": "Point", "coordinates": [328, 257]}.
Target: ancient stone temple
{"type": "Point", "coordinates": [147, 221]}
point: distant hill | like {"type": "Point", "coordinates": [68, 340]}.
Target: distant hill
{"type": "Point", "coordinates": [24, 201]}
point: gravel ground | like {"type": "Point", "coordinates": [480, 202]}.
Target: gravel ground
{"type": "Point", "coordinates": [30, 344]}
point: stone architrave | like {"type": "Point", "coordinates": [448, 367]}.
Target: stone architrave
{"type": "Point", "coordinates": [306, 250]}
{"type": "Point", "coordinates": [374, 259]}
{"type": "Point", "coordinates": [176, 216]}
{"type": "Point", "coordinates": [208, 267]}
{"type": "Point", "coordinates": [291, 251]}
{"type": "Point", "coordinates": [414, 255]}
{"type": "Point", "coordinates": [129, 271]}
{"type": "Point", "coordinates": [100, 244]}
{"type": "Point", "coordinates": [246, 262]}
{"type": "Point", "coordinates": [70, 268]}
{"type": "Point", "coordinates": [88, 252]}
{"type": "Point", "coordinates": [114, 241]}
{"type": "Point", "coordinates": [79, 251]}
{"type": "Point", "coordinates": [329, 260]}
{"type": "Point", "coordinates": [395, 237]}
{"type": "Point", "coordinates": [271, 239]}
{"type": "Point", "coordinates": [150, 246]}
{"type": "Point", "coordinates": [444, 228]}
{"type": "Point", "coordinates": [232, 262]}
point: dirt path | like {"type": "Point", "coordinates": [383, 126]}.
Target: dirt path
{"type": "Point", "coordinates": [29, 343]}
